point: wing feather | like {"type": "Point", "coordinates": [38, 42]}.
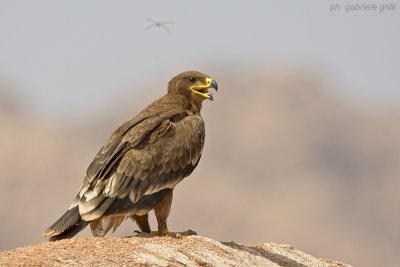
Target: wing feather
{"type": "Point", "coordinates": [150, 153]}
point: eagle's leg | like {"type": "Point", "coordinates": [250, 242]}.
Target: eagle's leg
{"type": "Point", "coordinates": [142, 222]}
{"type": "Point", "coordinates": [162, 210]}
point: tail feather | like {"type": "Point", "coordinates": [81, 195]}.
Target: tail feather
{"type": "Point", "coordinates": [66, 226]}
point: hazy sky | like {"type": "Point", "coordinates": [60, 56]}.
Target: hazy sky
{"type": "Point", "coordinates": [63, 54]}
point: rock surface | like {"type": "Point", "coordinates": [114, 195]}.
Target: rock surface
{"type": "Point", "coordinates": [158, 251]}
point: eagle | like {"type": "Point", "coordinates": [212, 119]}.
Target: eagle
{"type": "Point", "coordinates": [143, 160]}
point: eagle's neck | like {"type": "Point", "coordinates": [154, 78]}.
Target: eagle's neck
{"type": "Point", "coordinates": [195, 107]}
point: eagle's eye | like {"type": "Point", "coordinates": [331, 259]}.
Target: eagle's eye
{"type": "Point", "coordinates": [192, 79]}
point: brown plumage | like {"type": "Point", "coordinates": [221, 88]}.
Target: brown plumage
{"type": "Point", "coordinates": [141, 163]}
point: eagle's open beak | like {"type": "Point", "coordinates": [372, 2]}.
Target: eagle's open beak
{"type": "Point", "coordinates": [203, 89]}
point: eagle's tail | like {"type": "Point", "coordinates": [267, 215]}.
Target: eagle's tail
{"type": "Point", "coordinates": [67, 226]}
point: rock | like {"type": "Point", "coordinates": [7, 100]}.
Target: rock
{"type": "Point", "coordinates": [158, 251]}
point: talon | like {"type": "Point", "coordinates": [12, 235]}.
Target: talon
{"type": "Point", "coordinates": [159, 233]}
{"type": "Point", "coordinates": [143, 234]}
{"type": "Point", "coordinates": [178, 235]}
{"type": "Point", "coordinates": [190, 232]}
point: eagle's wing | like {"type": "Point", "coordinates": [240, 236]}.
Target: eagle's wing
{"type": "Point", "coordinates": [141, 158]}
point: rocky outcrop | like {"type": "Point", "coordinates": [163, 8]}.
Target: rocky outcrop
{"type": "Point", "coordinates": [158, 251]}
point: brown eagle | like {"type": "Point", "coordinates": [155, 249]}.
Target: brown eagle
{"type": "Point", "coordinates": [141, 163]}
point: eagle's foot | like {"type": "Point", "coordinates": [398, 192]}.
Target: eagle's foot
{"type": "Point", "coordinates": [166, 233]}
{"type": "Point", "coordinates": [181, 234]}
{"type": "Point", "coordinates": [186, 233]}
{"type": "Point", "coordinates": [143, 234]}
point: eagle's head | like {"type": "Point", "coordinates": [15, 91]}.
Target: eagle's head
{"type": "Point", "coordinates": [193, 85]}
